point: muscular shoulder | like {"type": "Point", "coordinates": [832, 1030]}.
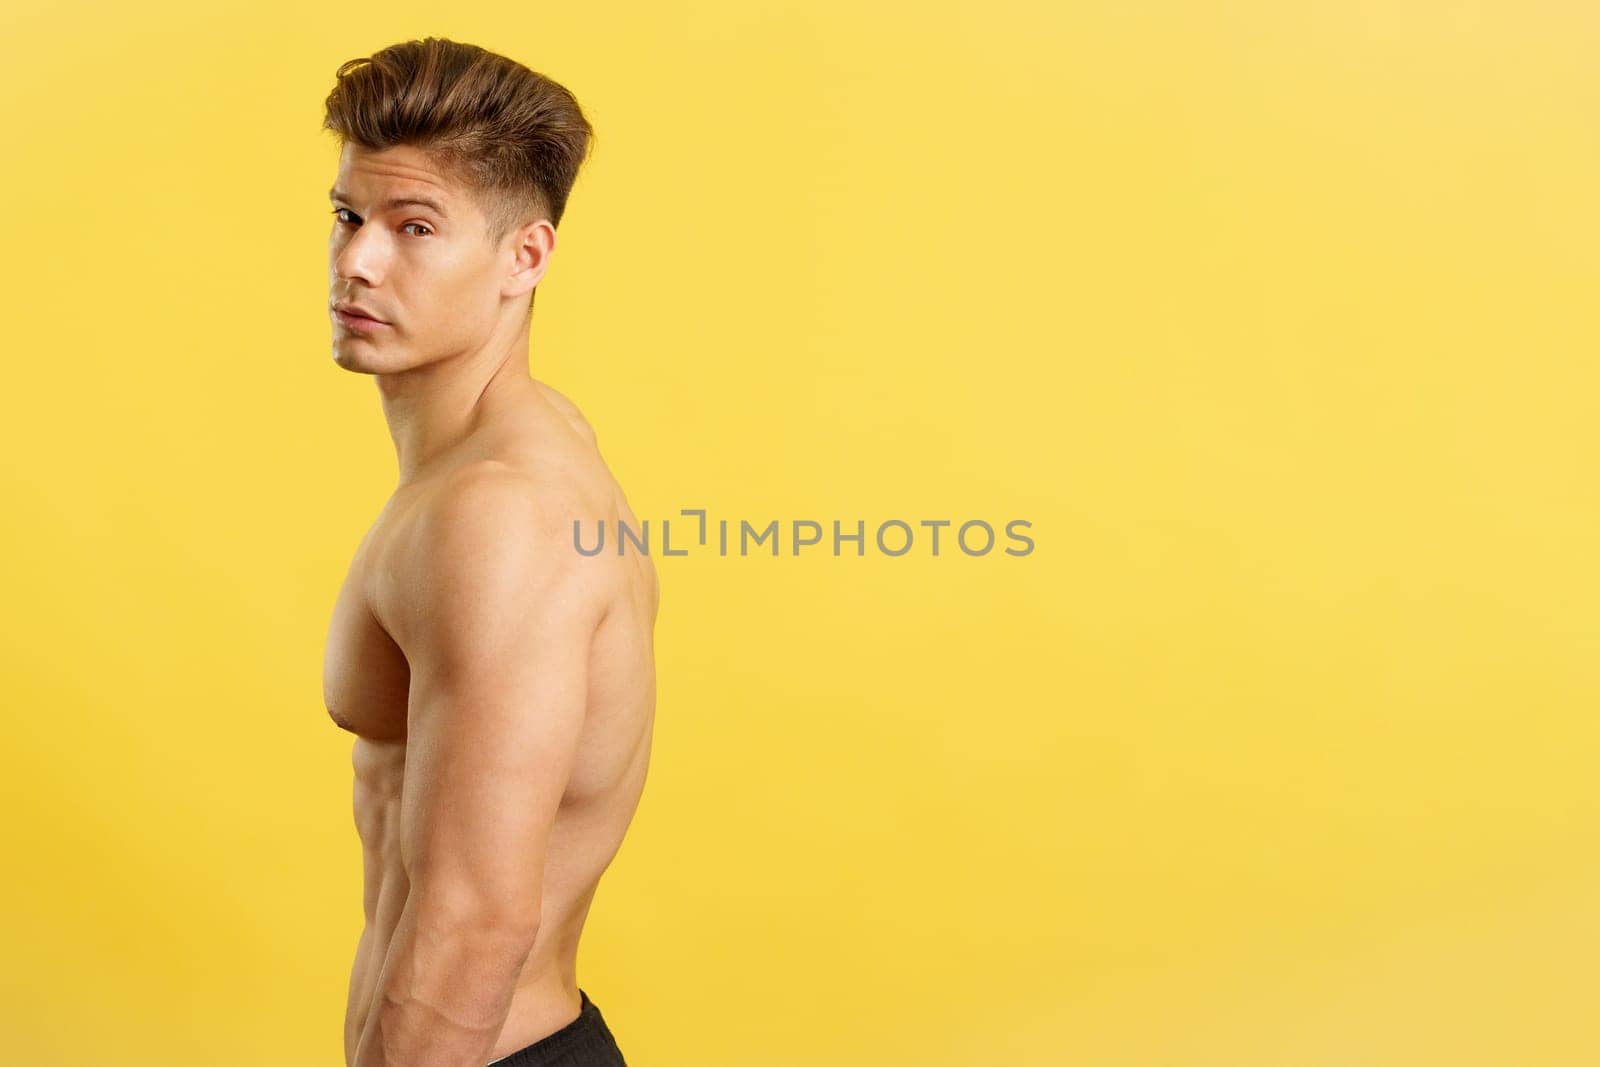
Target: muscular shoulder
{"type": "Point", "coordinates": [491, 542]}
{"type": "Point", "coordinates": [488, 497]}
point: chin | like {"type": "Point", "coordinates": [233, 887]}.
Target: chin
{"type": "Point", "coordinates": [347, 356]}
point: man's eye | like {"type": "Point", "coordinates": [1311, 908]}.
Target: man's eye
{"type": "Point", "coordinates": [338, 211]}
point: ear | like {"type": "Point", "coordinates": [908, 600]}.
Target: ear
{"type": "Point", "coordinates": [531, 246]}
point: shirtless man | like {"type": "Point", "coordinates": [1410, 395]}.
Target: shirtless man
{"type": "Point", "coordinates": [500, 684]}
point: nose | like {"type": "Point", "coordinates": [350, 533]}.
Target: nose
{"type": "Point", "coordinates": [359, 258]}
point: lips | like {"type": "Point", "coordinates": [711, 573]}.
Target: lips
{"type": "Point", "coordinates": [357, 310]}
{"type": "Point", "coordinates": [354, 324]}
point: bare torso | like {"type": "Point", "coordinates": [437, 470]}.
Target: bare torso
{"type": "Point", "coordinates": [365, 685]}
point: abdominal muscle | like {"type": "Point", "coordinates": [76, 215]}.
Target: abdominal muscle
{"type": "Point", "coordinates": [546, 997]}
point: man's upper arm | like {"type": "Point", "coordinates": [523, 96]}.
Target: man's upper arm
{"type": "Point", "coordinates": [497, 614]}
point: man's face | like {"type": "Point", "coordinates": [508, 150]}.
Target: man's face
{"type": "Point", "coordinates": [425, 269]}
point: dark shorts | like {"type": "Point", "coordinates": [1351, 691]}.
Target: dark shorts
{"type": "Point", "coordinates": [584, 1042]}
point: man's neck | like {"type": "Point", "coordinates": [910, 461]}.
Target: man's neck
{"type": "Point", "coordinates": [433, 409]}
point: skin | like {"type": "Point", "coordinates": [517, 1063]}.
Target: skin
{"type": "Point", "coordinates": [501, 686]}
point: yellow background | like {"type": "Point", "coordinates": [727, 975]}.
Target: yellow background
{"type": "Point", "coordinates": [1275, 319]}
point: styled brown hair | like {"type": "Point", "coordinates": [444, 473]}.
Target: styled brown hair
{"type": "Point", "coordinates": [510, 134]}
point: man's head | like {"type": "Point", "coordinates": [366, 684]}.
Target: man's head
{"type": "Point", "coordinates": [495, 148]}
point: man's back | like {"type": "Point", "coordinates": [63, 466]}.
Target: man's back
{"type": "Point", "coordinates": [540, 445]}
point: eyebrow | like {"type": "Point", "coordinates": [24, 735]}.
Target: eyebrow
{"type": "Point", "coordinates": [398, 201]}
